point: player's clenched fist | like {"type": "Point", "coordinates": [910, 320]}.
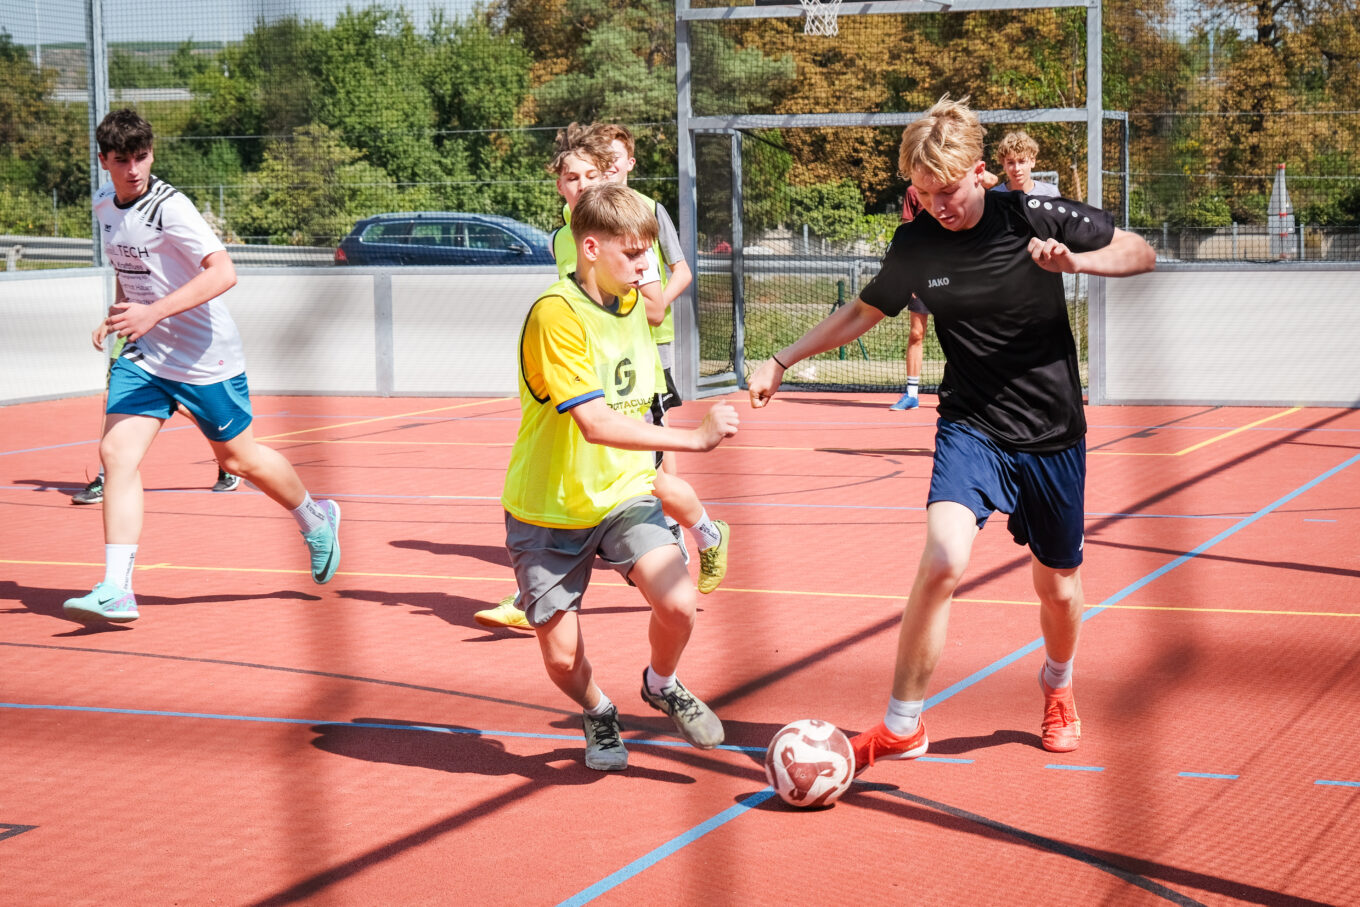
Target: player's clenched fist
{"type": "Point", "coordinates": [764, 382]}
{"type": "Point", "coordinates": [720, 422]}
{"type": "Point", "coordinates": [1052, 255]}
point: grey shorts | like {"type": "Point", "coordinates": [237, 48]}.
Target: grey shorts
{"type": "Point", "coordinates": [552, 566]}
{"type": "Point", "coordinates": [914, 304]}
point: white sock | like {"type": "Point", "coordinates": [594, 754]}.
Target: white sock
{"type": "Point", "coordinates": [913, 386]}
{"type": "Point", "coordinates": [118, 561]}
{"type": "Point", "coordinates": [309, 514]}
{"type": "Point", "coordinates": [705, 533]}
{"type": "Point", "coordinates": [604, 705]}
{"type": "Point", "coordinates": [658, 682]}
{"type": "Point", "coordinates": [903, 715]}
{"type": "Point", "coordinates": [1057, 674]}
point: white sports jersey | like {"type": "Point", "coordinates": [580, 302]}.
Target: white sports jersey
{"type": "Point", "coordinates": [156, 244]}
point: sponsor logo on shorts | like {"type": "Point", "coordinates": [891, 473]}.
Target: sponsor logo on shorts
{"type": "Point", "coordinates": [224, 427]}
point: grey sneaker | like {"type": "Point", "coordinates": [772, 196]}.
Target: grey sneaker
{"type": "Point", "coordinates": [604, 747]}
{"type": "Point", "coordinates": [679, 534]}
{"type": "Point", "coordinates": [92, 493]}
{"type": "Point", "coordinates": [226, 481]}
{"type": "Point", "coordinates": [694, 720]}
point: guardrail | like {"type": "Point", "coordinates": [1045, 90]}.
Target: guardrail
{"type": "Point", "coordinates": [77, 251]}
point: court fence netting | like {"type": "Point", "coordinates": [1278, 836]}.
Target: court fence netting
{"type": "Point", "coordinates": [289, 122]}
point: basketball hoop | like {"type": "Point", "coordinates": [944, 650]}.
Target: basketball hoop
{"type": "Point", "coordinates": [819, 17]}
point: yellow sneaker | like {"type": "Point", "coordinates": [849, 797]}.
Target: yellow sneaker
{"type": "Point", "coordinates": [505, 614]}
{"type": "Point", "coordinates": [713, 560]}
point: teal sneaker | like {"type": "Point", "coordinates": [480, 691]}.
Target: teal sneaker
{"type": "Point", "coordinates": [324, 544]}
{"type": "Point", "coordinates": [106, 602]}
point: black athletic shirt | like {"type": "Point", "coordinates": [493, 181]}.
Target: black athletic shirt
{"type": "Point", "coordinates": [1010, 362]}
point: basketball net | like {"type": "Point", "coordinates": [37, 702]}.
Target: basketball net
{"type": "Point", "coordinates": [819, 17]}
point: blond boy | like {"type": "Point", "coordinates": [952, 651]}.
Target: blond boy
{"type": "Point", "coordinates": [579, 483]}
{"type": "Point", "coordinates": [1011, 429]}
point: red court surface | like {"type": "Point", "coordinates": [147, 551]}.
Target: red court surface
{"type": "Point", "coordinates": [257, 739]}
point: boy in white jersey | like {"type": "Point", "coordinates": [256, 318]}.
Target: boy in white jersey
{"type": "Point", "coordinates": [182, 349]}
{"type": "Point", "coordinates": [581, 471]}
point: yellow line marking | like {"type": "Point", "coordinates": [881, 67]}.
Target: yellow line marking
{"type": "Point", "coordinates": [507, 578]}
{"type": "Point", "coordinates": [419, 412]}
{"type": "Point", "coordinates": [1236, 430]}
{"type": "Point", "coordinates": [1215, 439]}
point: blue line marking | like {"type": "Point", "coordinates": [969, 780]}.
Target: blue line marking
{"type": "Point", "coordinates": [1075, 768]}
{"type": "Point", "coordinates": [665, 850]}
{"type": "Point", "coordinates": [1339, 783]}
{"type": "Point", "coordinates": [1213, 775]}
{"type": "Point", "coordinates": [1307, 520]}
{"type": "Point", "coordinates": [945, 760]}
{"type": "Point", "coordinates": [601, 887]}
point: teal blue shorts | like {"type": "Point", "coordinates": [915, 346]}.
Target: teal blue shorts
{"type": "Point", "coordinates": [222, 410]}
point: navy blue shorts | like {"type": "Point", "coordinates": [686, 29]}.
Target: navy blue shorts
{"type": "Point", "coordinates": [1044, 494]}
{"type": "Point", "coordinates": [222, 410]}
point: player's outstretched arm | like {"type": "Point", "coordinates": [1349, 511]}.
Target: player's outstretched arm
{"type": "Point", "coordinates": [837, 329]}
{"type": "Point", "coordinates": [1127, 253]}
{"type": "Point", "coordinates": [602, 425]}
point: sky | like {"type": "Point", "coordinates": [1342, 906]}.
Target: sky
{"type": "Point", "coordinates": [58, 21]}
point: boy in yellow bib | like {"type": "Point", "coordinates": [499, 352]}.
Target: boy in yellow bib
{"type": "Point", "coordinates": [579, 483]}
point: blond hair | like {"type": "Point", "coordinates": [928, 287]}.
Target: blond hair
{"type": "Point", "coordinates": [946, 141]}
{"type": "Point", "coordinates": [1017, 144]}
{"type": "Point", "coordinates": [611, 131]}
{"type": "Point", "coordinates": [585, 143]}
{"type": "Point", "coordinates": [613, 211]}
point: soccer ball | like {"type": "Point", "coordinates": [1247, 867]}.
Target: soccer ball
{"type": "Point", "coordinates": [810, 763]}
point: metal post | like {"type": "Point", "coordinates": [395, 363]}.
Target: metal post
{"type": "Point", "coordinates": [1095, 106]}
{"type": "Point", "coordinates": [738, 267]}
{"type": "Point", "coordinates": [99, 105]}
{"type": "Point", "coordinates": [686, 369]}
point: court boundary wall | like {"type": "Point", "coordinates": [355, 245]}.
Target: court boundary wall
{"type": "Point", "coordinates": [1233, 334]}
{"type": "Point", "coordinates": [1185, 334]}
{"type": "Point", "coordinates": [339, 332]}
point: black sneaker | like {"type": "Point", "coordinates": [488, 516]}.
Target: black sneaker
{"type": "Point", "coordinates": [605, 751]}
{"type": "Point", "coordinates": [694, 720]}
{"type": "Point", "coordinates": [92, 493]}
{"type": "Point", "coordinates": [226, 481]}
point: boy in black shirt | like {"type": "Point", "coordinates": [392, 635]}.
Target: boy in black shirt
{"type": "Point", "coordinates": [1011, 431]}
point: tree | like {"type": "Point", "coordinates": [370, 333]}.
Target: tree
{"type": "Point", "coordinates": [311, 188]}
{"type": "Point", "coordinates": [43, 145]}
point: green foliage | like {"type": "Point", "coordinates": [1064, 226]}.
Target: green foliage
{"type": "Point", "coordinates": [26, 212]}
{"type": "Point", "coordinates": [1206, 211]}
{"type": "Point", "coordinates": [311, 188]}
{"type": "Point", "coordinates": [459, 113]}
{"type": "Point", "coordinates": [831, 210]}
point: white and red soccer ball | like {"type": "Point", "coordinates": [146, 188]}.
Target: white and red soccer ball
{"type": "Point", "coordinates": [810, 763]}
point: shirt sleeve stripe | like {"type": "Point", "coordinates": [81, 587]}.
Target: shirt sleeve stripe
{"type": "Point", "coordinates": [577, 401]}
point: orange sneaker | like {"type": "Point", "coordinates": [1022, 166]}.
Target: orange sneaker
{"type": "Point", "coordinates": [879, 743]}
{"type": "Point", "coordinates": [1061, 730]}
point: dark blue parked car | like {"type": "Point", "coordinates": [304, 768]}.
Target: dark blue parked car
{"type": "Point", "coordinates": [444, 238]}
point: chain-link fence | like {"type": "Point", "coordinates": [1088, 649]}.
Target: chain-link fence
{"type": "Point", "coordinates": [291, 121]}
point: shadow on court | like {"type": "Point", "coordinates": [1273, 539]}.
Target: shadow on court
{"type": "Point", "coordinates": [48, 602]}
{"type": "Point", "coordinates": [454, 748]}
{"type": "Point", "coordinates": [490, 554]}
